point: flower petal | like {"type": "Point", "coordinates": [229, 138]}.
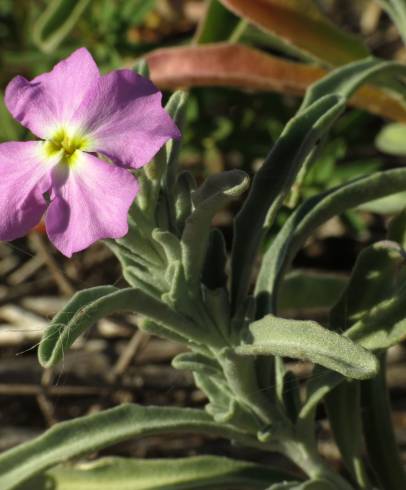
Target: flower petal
{"type": "Point", "coordinates": [50, 100]}
{"type": "Point", "coordinates": [24, 178]}
{"type": "Point", "coordinates": [90, 204]}
{"type": "Point", "coordinates": [125, 120]}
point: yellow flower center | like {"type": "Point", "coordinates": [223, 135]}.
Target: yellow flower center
{"type": "Point", "coordinates": [65, 145]}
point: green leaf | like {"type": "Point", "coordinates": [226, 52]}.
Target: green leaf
{"type": "Point", "coordinates": [305, 290]}
{"type": "Point", "coordinates": [343, 406]}
{"type": "Point", "coordinates": [195, 473]}
{"type": "Point", "coordinates": [307, 217]}
{"type": "Point", "coordinates": [86, 307]}
{"type": "Point", "coordinates": [135, 10]}
{"type": "Point", "coordinates": [323, 103]}
{"type": "Point", "coordinates": [344, 81]}
{"type": "Point", "coordinates": [64, 317]}
{"type": "Point", "coordinates": [216, 192]}
{"type": "Point", "coordinates": [216, 25]}
{"type": "Point", "coordinates": [176, 108]}
{"type": "Point", "coordinates": [93, 432]}
{"type": "Point", "coordinates": [185, 185]}
{"type": "Point", "coordinates": [158, 191]}
{"type": "Point", "coordinates": [272, 183]}
{"type": "Point", "coordinates": [193, 361]}
{"type": "Point", "coordinates": [387, 205]}
{"type": "Point", "coordinates": [382, 448]}
{"type": "Point", "coordinates": [397, 229]}
{"type": "Point", "coordinates": [376, 276]}
{"type": "Point", "coordinates": [141, 67]}
{"type": "Point", "coordinates": [392, 139]}
{"type": "Point", "coordinates": [373, 307]}
{"type": "Point", "coordinates": [309, 340]}
{"type": "Point", "coordinates": [319, 385]}
{"type": "Point", "coordinates": [55, 23]}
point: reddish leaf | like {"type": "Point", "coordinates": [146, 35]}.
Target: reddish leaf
{"type": "Point", "coordinates": [234, 65]}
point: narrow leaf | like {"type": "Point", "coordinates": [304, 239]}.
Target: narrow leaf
{"type": "Point", "coordinates": [195, 473]}
{"type": "Point", "coordinates": [272, 183]}
{"type": "Point", "coordinates": [309, 340]}
{"type": "Point", "coordinates": [87, 307]}
{"type": "Point", "coordinates": [379, 434]}
{"type": "Point", "coordinates": [235, 65]}
{"type": "Point", "coordinates": [93, 432]}
{"type": "Point", "coordinates": [302, 24]}
{"type": "Point", "coordinates": [217, 191]}
{"type": "Point", "coordinates": [217, 24]}
{"type": "Point", "coordinates": [55, 23]}
{"type": "Point", "coordinates": [396, 9]}
{"type": "Point", "coordinates": [311, 214]}
{"type": "Point", "coordinates": [343, 406]}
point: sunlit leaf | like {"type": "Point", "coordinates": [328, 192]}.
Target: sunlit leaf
{"type": "Point", "coordinates": [234, 65]}
{"type": "Point", "coordinates": [311, 214]}
{"type": "Point", "coordinates": [216, 25]}
{"type": "Point", "coordinates": [302, 24]}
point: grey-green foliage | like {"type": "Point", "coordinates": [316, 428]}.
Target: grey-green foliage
{"type": "Point", "coordinates": [194, 473]}
{"type": "Point", "coordinates": [322, 105]}
{"type": "Point", "coordinates": [371, 309]}
{"type": "Point", "coordinates": [309, 340]}
{"type": "Point", "coordinates": [93, 432]}
{"type": "Point", "coordinates": [236, 341]}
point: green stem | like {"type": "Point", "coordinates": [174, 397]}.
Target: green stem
{"type": "Point", "coordinates": [309, 460]}
{"type": "Point", "coordinates": [239, 30]}
{"type": "Point", "coordinates": [379, 434]}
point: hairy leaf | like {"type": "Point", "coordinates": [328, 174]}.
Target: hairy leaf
{"type": "Point", "coordinates": [88, 306]}
{"type": "Point", "coordinates": [382, 448]}
{"type": "Point", "coordinates": [311, 214]}
{"type": "Point", "coordinates": [217, 191]}
{"type": "Point", "coordinates": [93, 432]}
{"type": "Point", "coordinates": [195, 473]}
{"type": "Point", "coordinates": [343, 406]}
{"type": "Point", "coordinates": [309, 340]}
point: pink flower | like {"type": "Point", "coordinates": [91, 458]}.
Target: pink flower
{"type": "Point", "coordinates": [79, 115]}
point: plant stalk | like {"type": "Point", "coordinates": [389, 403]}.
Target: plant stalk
{"type": "Point", "coordinates": [306, 456]}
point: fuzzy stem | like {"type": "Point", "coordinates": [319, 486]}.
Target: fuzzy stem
{"type": "Point", "coordinates": [309, 460]}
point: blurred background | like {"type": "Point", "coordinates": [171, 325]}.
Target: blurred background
{"type": "Point", "coordinates": [246, 77]}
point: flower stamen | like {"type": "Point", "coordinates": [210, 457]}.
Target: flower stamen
{"type": "Point", "coordinates": [65, 145]}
